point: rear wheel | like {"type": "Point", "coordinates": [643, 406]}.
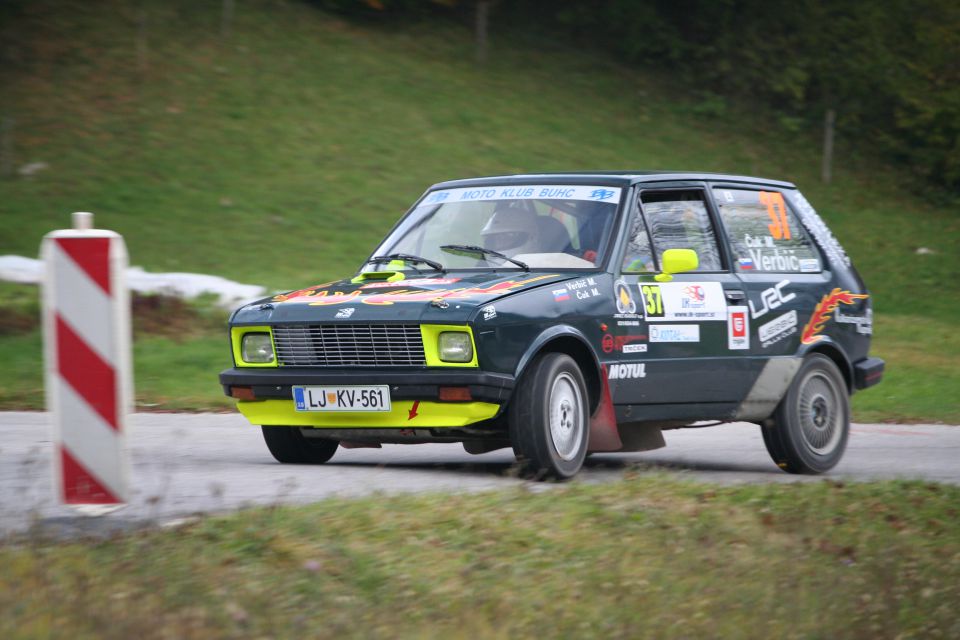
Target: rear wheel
{"type": "Point", "coordinates": [288, 444]}
{"type": "Point", "coordinates": [548, 416]}
{"type": "Point", "coordinates": [812, 423]}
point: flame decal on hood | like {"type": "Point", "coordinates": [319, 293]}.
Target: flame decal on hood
{"type": "Point", "coordinates": [303, 293]}
{"type": "Point", "coordinates": [821, 313]}
{"type": "Point", "coordinates": [405, 295]}
{"type": "Point", "coordinates": [320, 296]}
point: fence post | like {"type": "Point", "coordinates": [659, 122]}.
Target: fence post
{"type": "Point", "coordinates": [86, 327]}
{"type": "Point", "coordinates": [826, 169]}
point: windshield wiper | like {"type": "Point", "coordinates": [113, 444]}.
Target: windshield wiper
{"type": "Point", "coordinates": [406, 257]}
{"type": "Point", "coordinates": [472, 249]}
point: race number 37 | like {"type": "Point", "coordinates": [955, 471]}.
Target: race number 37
{"type": "Point", "coordinates": [777, 210]}
{"type": "Point", "coordinates": [652, 301]}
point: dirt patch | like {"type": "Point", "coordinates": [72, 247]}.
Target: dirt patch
{"type": "Point", "coordinates": [172, 317]}
{"type": "Point", "coordinates": [15, 321]}
{"type": "Point", "coordinates": [153, 314]}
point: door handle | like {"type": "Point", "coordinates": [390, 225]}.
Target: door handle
{"type": "Point", "coordinates": [736, 295]}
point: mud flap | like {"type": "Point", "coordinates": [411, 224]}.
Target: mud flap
{"type": "Point", "coordinates": [641, 437]}
{"type": "Point", "coordinates": [604, 435]}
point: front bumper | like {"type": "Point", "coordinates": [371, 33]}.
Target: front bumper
{"type": "Point", "coordinates": [414, 396]}
{"type": "Point", "coordinates": [404, 384]}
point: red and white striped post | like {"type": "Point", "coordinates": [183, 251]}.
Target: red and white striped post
{"type": "Point", "coordinates": [86, 324]}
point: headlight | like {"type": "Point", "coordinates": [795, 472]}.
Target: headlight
{"type": "Point", "coordinates": [256, 348]}
{"type": "Point", "coordinates": [455, 346]}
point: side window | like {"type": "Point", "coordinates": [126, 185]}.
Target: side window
{"type": "Point", "coordinates": [679, 220]}
{"type": "Point", "coordinates": [639, 255]}
{"type": "Point", "coordinates": [765, 235]}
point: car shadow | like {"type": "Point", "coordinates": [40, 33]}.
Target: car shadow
{"type": "Point", "coordinates": [596, 464]}
{"type": "Point", "coordinates": [619, 462]}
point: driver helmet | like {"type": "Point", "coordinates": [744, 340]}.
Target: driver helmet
{"type": "Point", "coordinates": [511, 230]}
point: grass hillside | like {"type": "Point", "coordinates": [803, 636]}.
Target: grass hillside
{"type": "Point", "coordinates": [280, 153]}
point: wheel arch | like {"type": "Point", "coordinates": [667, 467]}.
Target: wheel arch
{"type": "Point", "coordinates": [568, 340]}
{"type": "Point", "coordinates": [832, 350]}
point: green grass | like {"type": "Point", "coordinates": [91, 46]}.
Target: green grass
{"type": "Point", "coordinates": [922, 380]}
{"type": "Point", "coordinates": [646, 558]}
{"type": "Point", "coordinates": [279, 156]}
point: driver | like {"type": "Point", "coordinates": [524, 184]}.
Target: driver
{"type": "Point", "coordinates": [511, 230]}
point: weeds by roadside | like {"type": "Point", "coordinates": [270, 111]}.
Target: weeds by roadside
{"type": "Point", "coordinates": [649, 557]}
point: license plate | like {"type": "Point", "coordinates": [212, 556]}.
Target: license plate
{"type": "Point", "coordinates": [374, 398]}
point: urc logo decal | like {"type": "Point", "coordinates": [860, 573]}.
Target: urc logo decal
{"type": "Point", "coordinates": [771, 298]}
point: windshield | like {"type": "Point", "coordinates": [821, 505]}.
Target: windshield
{"type": "Point", "coordinates": [537, 226]}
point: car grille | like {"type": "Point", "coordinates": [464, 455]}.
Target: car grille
{"type": "Point", "coordinates": [349, 345]}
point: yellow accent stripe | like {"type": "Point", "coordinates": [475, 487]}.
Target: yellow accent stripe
{"type": "Point", "coordinates": [429, 414]}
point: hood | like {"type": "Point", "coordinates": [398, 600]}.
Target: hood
{"type": "Point", "coordinates": [407, 299]}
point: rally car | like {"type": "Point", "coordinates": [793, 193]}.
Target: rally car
{"type": "Point", "coordinates": [563, 314]}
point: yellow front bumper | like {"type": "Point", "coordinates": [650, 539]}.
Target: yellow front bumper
{"type": "Point", "coordinates": [402, 415]}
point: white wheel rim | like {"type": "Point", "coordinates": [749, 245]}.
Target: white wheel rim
{"type": "Point", "coordinates": [821, 416]}
{"type": "Point", "coordinates": [566, 416]}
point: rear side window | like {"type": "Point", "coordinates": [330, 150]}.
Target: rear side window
{"type": "Point", "coordinates": [679, 220]}
{"type": "Point", "coordinates": [765, 235]}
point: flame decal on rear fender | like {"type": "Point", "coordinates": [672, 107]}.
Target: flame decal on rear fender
{"type": "Point", "coordinates": [821, 313]}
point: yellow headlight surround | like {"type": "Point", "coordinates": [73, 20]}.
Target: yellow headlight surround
{"type": "Point", "coordinates": [237, 335]}
{"type": "Point", "coordinates": [432, 333]}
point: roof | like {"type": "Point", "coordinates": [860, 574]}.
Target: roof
{"type": "Point", "coordinates": [614, 178]}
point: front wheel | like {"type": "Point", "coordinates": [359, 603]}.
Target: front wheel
{"type": "Point", "coordinates": [812, 423]}
{"type": "Point", "coordinates": [288, 444]}
{"type": "Point", "coordinates": [548, 417]}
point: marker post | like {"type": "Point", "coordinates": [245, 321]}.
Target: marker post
{"type": "Point", "coordinates": [86, 336]}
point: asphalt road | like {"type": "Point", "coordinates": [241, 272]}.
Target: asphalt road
{"type": "Point", "coordinates": [183, 464]}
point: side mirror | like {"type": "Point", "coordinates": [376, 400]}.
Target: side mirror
{"type": "Point", "coordinates": [676, 261]}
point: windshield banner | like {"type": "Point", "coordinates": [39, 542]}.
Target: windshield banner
{"type": "Point", "coordinates": [525, 192]}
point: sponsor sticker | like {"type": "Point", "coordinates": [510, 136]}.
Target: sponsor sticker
{"type": "Point", "coordinates": [607, 343]}
{"type": "Point", "coordinates": [489, 312]}
{"type": "Point", "coordinates": [815, 225]}
{"type": "Point", "coordinates": [683, 301]}
{"type": "Point", "coordinates": [525, 192]}
{"type": "Point", "coordinates": [629, 371]}
{"type": "Point", "coordinates": [738, 328]}
{"type": "Point", "coordinates": [809, 265]}
{"type": "Point", "coordinates": [864, 323]}
{"type": "Point", "coordinates": [771, 299]}
{"type": "Point", "coordinates": [777, 329]}
{"type": "Point", "coordinates": [626, 305]}
{"type": "Point", "coordinates": [674, 333]}
{"type": "Point", "coordinates": [611, 343]}
{"type": "Point", "coordinates": [345, 312]}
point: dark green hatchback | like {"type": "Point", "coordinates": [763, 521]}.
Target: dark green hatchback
{"type": "Point", "coordinates": [562, 314]}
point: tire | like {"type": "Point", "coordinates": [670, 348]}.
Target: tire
{"type": "Point", "coordinates": [288, 445]}
{"type": "Point", "coordinates": [812, 423]}
{"type": "Point", "coordinates": [549, 422]}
